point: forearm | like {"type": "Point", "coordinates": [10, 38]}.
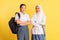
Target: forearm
{"type": "Point", "coordinates": [19, 22]}
{"type": "Point", "coordinates": [34, 23]}
{"type": "Point", "coordinates": [26, 23]}
{"type": "Point", "coordinates": [22, 23]}
{"type": "Point", "coordinates": [37, 24]}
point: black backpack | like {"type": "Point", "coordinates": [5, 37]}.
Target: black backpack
{"type": "Point", "coordinates": [13, 25]}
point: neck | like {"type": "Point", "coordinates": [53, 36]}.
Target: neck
{"type": "Point", "coordinates": [22, 12]}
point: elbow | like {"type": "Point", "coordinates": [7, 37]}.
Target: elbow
{"type": "Point", "coordinates": [28, 23]}
{"type": "Point", "coordinates": [43, 24]}
{"type": "Point", "coordinates": [17, 22]}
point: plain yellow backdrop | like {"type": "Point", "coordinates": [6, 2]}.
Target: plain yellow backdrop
{"type": "Point", "coordinates": [51, 9]}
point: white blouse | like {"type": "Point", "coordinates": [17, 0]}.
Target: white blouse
{"type": "Point", "coordinates": [37, 21]}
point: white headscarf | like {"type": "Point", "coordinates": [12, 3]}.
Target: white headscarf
{"type": "Point", "coordinates": [41, 13]}
{"type": "Point", "coordinates": [39, 18]}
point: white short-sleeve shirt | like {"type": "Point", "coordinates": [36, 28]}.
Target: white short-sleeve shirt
{"type": "Point", "coordinates": [23, 17]}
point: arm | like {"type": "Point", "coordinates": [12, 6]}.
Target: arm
{"type": "Point", "coordinates": [33, 21]}
{"type": "Point", "coordinates": [43, 20]}
{"type": "Point", "coordinates": [28, 20]}
{"type": "Point", "coordinates": [43, 24]}
{"type": "Point", "coordinates": [22, 23]}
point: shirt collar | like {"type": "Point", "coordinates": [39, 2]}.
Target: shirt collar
{"type": "Point", "coordinates": [21, 13]}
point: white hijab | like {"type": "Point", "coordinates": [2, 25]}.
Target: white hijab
{"type": "Point", "coordinates": [41, 13]}
{"type": "Point", "coordinates": [40, 19]}
{"type": "Point", "coordinates": [41, 16]}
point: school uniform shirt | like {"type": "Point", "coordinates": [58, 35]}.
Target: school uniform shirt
{"type": "Point", "coordinates": [23, 17]}
{"type": "Point", "coordinates": [37, 21]}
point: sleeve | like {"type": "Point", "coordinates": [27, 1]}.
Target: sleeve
{"type": "Point", "coordinates": [16, 17]}
{"type": "Point", "coordinates": [28, 18]}
{"type": "Point", "coordinates": [44, 20]}
{"type": "Point", "coordinates": [34, 21]}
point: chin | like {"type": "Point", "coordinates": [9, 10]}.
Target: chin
{"type": "Point", "coordinates": [24, 12]}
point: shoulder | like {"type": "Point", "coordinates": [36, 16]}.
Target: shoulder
{"type": "Point", "coordinates": [34, 15]}
{"type": "Point", "coordinates": [16, 15]}
{"type": "Point", "coordinates": [26, 14]}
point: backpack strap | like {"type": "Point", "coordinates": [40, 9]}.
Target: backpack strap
{"type": "Point", "coordinates": [18, 14]}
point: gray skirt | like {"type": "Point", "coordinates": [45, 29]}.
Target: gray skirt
{"type": "Point", "coordinates": [23, 33]}
{"type": "Point", "coordinates": [38, 37]}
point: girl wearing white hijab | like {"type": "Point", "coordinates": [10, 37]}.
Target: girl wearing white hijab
{"type": "Point", "coordinates": [38, 22]}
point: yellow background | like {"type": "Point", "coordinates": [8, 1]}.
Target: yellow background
{"type": "Point", "coordinates": [51, 9]}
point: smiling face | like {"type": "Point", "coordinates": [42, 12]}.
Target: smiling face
{"type": "Point", "coordinates": [37, 9]}
{"type": "Point", "coordinates": [22, 8]}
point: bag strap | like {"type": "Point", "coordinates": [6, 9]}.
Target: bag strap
{"type": "Point", "coordinates": [43, 29]}
{"type": "Point", "coordinates": [18, 14]}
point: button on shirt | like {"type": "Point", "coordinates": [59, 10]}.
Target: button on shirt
{"type": "Point", "coordinates": [23, 17]}
{"type": "Point", "coordinates": [37, 22]}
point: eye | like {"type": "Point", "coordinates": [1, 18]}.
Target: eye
{"type": "Point", "coordinates": [37, 8]}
